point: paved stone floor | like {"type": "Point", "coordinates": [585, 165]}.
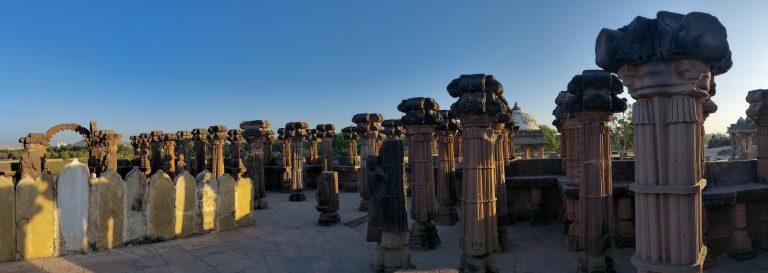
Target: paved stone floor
{"type": "Point", "coordinates": [286, 238]}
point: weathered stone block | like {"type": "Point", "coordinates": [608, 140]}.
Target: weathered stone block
{"type": "Point", "coordinates": [243, 202]}
{"type": "Point", "coordinates": [185, 204]}
{"type": "Point", "coordinates": [107, 209]}
{"type": "Point", "coordinates": [207, 187]}
{"type": "Point", "coordinates": [7, 220]}
{"type": "Point", "coordinates": [225, 207]}
{"type": "Point", "coordinates": [72, 183]}
{"type": "Point", "coordinates": [136, 187]}
{"type": "Point", "coordinates": [160, 209]}
{"type": "Point", "coordinates": [35, 221]}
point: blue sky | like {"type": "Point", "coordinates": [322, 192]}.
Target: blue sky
{"type": "Point", "coordinates": [137, 66]}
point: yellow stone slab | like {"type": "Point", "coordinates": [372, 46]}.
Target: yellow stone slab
{"type": "Point", "coordinates": [186, 204]}
{"type": "Point", "coordinates": [136, 191]}
{"type": "Point", "coordinates": [225, 209]}
{"type": "Point", "coordinates": [7, 218]}
{"type": "Point", "coordinates": [207, 187]}
{"type": "Point", "coordinates": [243, 202]}
{"type": "Point", "coordinates": [35, 221]}
{"type": "Point", "coordinates": [107, 209]}
{"type": "Point", "coordinates": [160, 208]}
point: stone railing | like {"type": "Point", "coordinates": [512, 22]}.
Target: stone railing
{"type": "Point", "coordinates": [77, 212]}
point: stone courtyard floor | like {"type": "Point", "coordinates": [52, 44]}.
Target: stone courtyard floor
{"type": "Point", "coordinates": [286, 238]}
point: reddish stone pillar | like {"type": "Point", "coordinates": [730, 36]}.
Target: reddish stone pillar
{"type": "Point", "coordinates": [446, 171]}
{"type": "Point", "coordinates": [758, 112]}
{"type": "Point", "coordinates": [257, 134]}
{"type": "Point", "coordinates": [183, 153]}
{"type": "Point", "coordinates": [144, 161]}
{"type": "Point", "coordinates": [326, 133]}
{"type": "Point", "coordinates": [667, 64]}
{"type": "Point", "coordinates": [500, 158]}
{"type": "Point", "coordinates": [297, 131]}
{"type": "Point", "coordinates": [312, 140]}
{"type": "Point", "coordinates": [285, 147]}
{"type": "Point", "coordinates": [368, 129]}
{"type": "Point", "coordinates": [169, 153]}
{"type": "Point", "coordinates": [352, 139]}
{"type": "Point", "coordinates": [135, 143]}
{"type": "Point", "coordinates": [217, 135]}
{"type": "Point", "coordinates": [327, 193]}
{"type": "Point", "coordinates": [457, 147]}
{"type": "Point", "coordinates": [156, 145]}
{"type": "Point", "coordinates": [200, 137]}
{"type": "Point", "coordinates": [480, 102]}
{"type": "Point", "coordinates": [107, 141]}
{"type": "Point", "coordinates": [740, 243]}
{"type": "Point", "coordinates": [593, 103]}
{"type": "Point", "coordinates": [33, 161]}
{"type": "Point", "coordinates": [236, 139]}
{"type": "Point", "coordinates": [421, 117]}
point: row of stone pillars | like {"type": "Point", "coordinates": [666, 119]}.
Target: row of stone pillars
{"type": "Point", "coordinates": [102, 146]}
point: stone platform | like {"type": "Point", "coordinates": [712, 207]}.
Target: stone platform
{"type": "Point", "coordinates": [286, 238]}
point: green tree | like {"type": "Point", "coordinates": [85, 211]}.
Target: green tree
{"type": "Point", "coordinates": [622, 132]}
{"type": "Point", "coordinates": [552, 136]}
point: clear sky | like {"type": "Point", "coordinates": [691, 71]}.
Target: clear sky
{"type": "Point", "coordinates": [137, 66]}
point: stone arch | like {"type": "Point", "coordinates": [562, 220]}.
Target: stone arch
{"type": "Point", "coordinates": [68, 126]}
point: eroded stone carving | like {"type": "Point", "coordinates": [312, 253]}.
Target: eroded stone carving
{"type": "Point", "coordinates": [368, 127]}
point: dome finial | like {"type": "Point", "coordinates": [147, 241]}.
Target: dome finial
{"type": "Point", "coordinates": [516, 107]}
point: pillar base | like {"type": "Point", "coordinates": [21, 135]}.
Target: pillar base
{"type": "Point", "coordinates": [297, 197]}
{"type": "Point", "coordinates": [329, 219]}
{"type": "Point", "coordinates": [260, 204]}
{"type": "Point", "coordinates": [424, 236]}
{"type": "Point", "coordinates": [742, 254]}
{"type": "Point", "coordinates": [364, 204]}
{"type": "Point", "coordinates": [446, 216]}
{"type": "Point", "coordinates": [479, 264]}
{"type": "Point", "coordinates": [391, 259]}
{"type": "Point", "coordinates": [537, 217]}
{"type": "Point", "coordinates": [624, 240]}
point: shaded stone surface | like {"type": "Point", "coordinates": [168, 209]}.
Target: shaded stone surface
{"type": "Point", "coordinates": [327, 196]}
{"type": "Point", "coordinates": [7, 220]}
{"type": "Point", "coordinates": [107, 210]}
{"type": "Point", "coordinates": [72, 184]}
{"type": "Point", "coordinates": [136, 195]}
{"type": "Point", "coordinates": [185, 202]}
{"type": "Point", "coordinates": [161, 222]}
{"type": "Point", "coordinates": [368, 127]}
{"type": "Point", "coordinates": [225, 203]}
{"type": "Point", "coordinates": [446, 170]}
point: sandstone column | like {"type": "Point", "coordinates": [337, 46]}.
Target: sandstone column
{"type": "Point", "coordinates": [326, 134]}
{"type": "Point", "coordinates": [312, 139]}
{"type": "Point", "coordinates": [156, 145]}
{"type": "Point", "coordinates": [182, 150]}
{"type": "Point", "coordinates": [368, 130]}
{"type": "Point", "coordinates": [33, 161]}
{"type": "Point", "coordinates": [144, 162]}
{"type": "Point", "coordinates": [217, 135]}
{"type": "Point", "coordinates": [235, 137]}
{"type": "Point", "coordinates": [479, 103]}
{"type": "Point", "coordinates": [740, 243]}
{"type": "Point", "coordinates": [353, 160]}
{"type": "Point", "coordinates": [257, 134]}
{"type": "Point", "coordinates": [758, 112]}
{"type": "Point", "coordinates": [327, 193]}
{"type": "Point", "coordinates": [592, 105]}
{"type": "Point", "coordinates": [667, 64]}
{"type": "Point", "coordinates": [169, 153]}
{"type": "Point", "coordinates": [499, 157]}
{"type": "Point", "coordinates": [136, 152]}
{"type": "Point", "coordinates": [200, 136]}
{"type": "Point", "coordinates": [297, 131]}
{"type": "Point", "coordinates": [421, 117]}
{"type": "Point", "coordinates": [457, 147]}
{"type": "Point", "coordinates": [285, 146]}
{"type": "Point", "coordinates": [388, 222]}
{"type": "Point", "coordinates": [446, 171]}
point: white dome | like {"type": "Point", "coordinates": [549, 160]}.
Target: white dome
{"type": "Point", "coordinates": [523, 119]}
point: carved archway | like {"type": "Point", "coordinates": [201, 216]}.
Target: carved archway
{"type": "Point", "coordinates": [68, 126]}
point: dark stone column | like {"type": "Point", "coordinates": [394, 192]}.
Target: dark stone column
{"type": "Point", "coordinates": [200, 136]}
{"type": "Point", "coordinates": [297, 131]}
{"type": "Point", "coordinates": [257, 134]}
{"type": "Point", "coordinates": [368, 126]}
{"type": "Point", "coordinates": [217, 135]}
{"type": "Point", "coordinates": [446, 171]}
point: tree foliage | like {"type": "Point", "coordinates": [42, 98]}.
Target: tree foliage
{"type": "Point", "coordinates": [552, 136]}
{"type": "Point", "coordinates": [622, 132]}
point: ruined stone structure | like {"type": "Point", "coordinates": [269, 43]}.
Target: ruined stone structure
{"type": "Point", "coordinates": [327, 193]}
{"type": "Point", "coordinates": [33, 160]}
{"type": "Point", "coordinates": [592, 104]}
{"type": "Point", "coordinates": [200, 137]}
{"type": "Point", "coordinates": [479, 103]}
{"type": "Point", "coordinates": [421, 117]}
{"type": "Point", "coordinates": [236, 139]}
{"type": "Point", "coordinates": [169, 153]}
{"type": "Point", "coordinates": [183, 152]}
{"type": "Point", "coordinates": [368, 127]}
{"type": "Point", "coordinates": [353, 160]}
{"type": "Point", "coordinates": [500, 159]}
{"type": "Point", "coordinates": [667, 64]}
{"type": "Point", "coordinates": [312, 139]}
{"type": "Point", "coordinates": [758, 112]}
{"type": "Point", "coordinates": [257, 134]}
{"type": "Point", "coordinates": [388, 222]}
{"type": "Point", "coordinates": [742, 135]}
{"type": "Point", "coordinates": [446, 170]}
{"type": "Point", "coordinates": [297, 131]}
{"type": "Point", "coordinates": [156, 146]}
{"type": "Point", "coordinates": [217, 136]}
{"type": "Point", "coordinates": [286, 172]}
{"type": "Point", "coordinates": [326, 133]}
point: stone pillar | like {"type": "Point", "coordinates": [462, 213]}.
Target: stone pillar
{"type": "Point", "coordinates": [111, 139]}
{"type": "Point", "coordinates": [285, 151]}
{"type": "Point", "coordinates": [352, 159]}
{"type": "Point", "coordinates": [183, 154]}
{"type": "Point", "coordinates": [592, 105]}
{"type": "Point", "coordinates": [327, 196]}
{"type": "Point", "coordinates": [368, 130]}
{"type": "Point", "coordinates": [388, 222]}
{"type": "Point", "coordinates": [33, 161]}
{"type": "Point", "coordinates": [297, 131]}
{"type": "Point", "coordinates": [326, 133]}
{"type": "Point", "coordinates": [457, 147]}
{"type": "Point", "coordinates": [537, 211]}
{"type": "Point", "coordinates": [740, 243]}
{"type": "Point", "coordinates": [217, 135]}
{"type": "Point", "coordinates": [379, 142]}
{"type": "Point", "coordinates": [625, 224]}
{"type": "Point", "coordinates": [258, 135]}
{"type": "Point", "coordinates": [758, 112]}
{"type": "Point", "coordinates": [169, 153]}
{"type": "Point", "coordinates": [268, 142]}
{"type": "Point", "coordinates": [200, 136]}
{"type": "Point", "coordinates": [446, 171]}
{"type": "Point", "coordinates": [500, 158]}
{"type": "Point", "coordinates": [235, 138]}
{"type": "Point", "coordinates": [312, 140]}
{"type": "Point", "coordinates": [667, 64]}
{"type": "Point", "coordinates": [480, 102]}
{"type": "Point", "coordinates": [421, 117]}
{"type": "Point", "coordinates": [135, 143]}
{"type": "Point", "coordinates": [156, 145]}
